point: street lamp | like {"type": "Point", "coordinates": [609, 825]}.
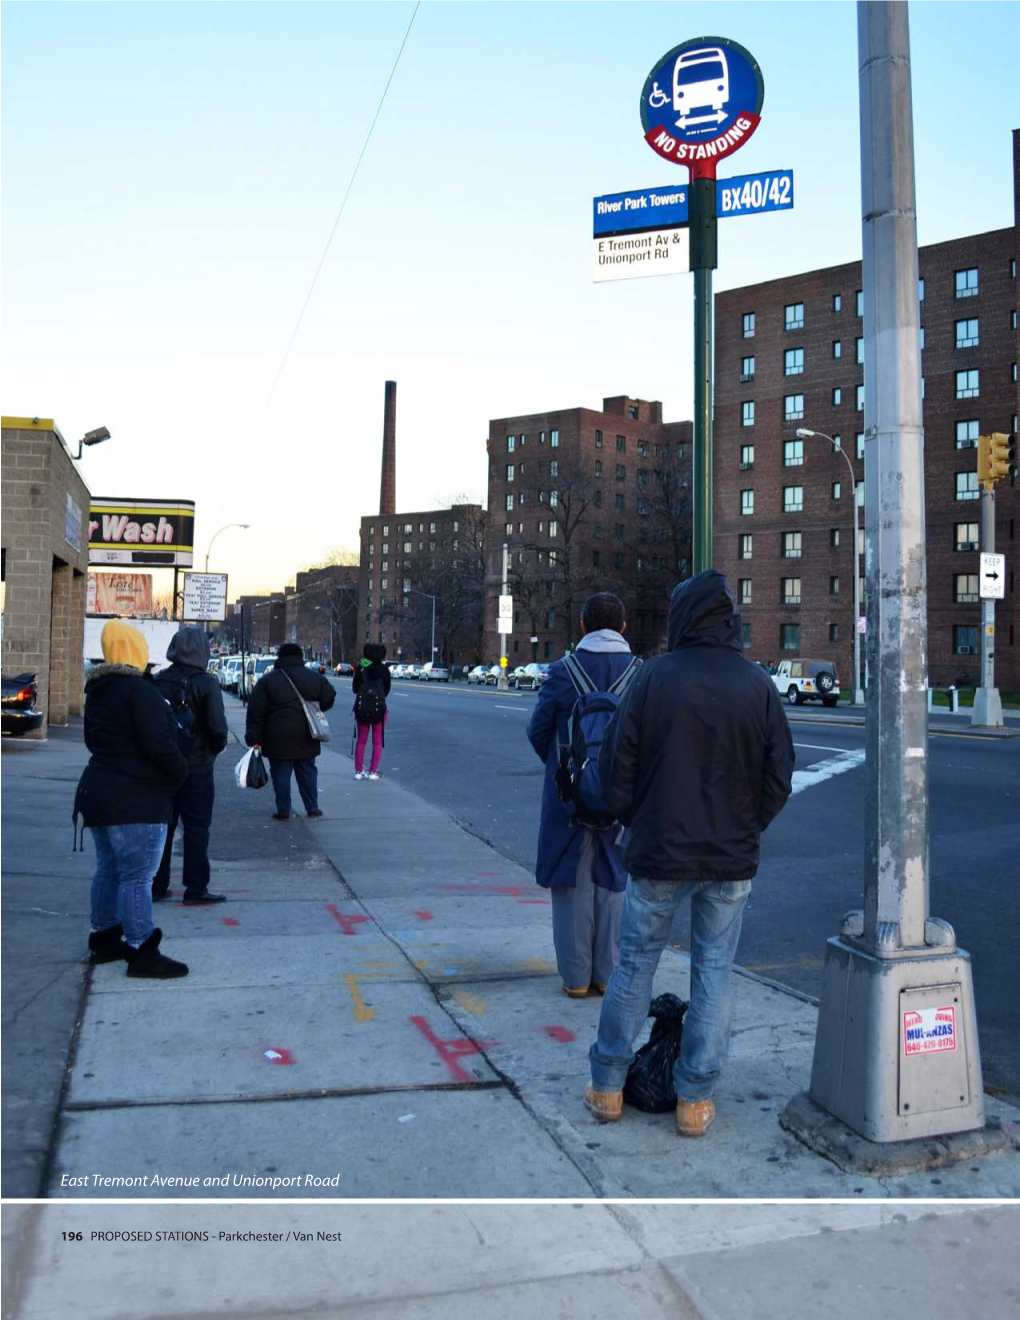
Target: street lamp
{"type": "Point", "coordinates": [407, 592]}
{"type": "Point", "coordinates": [95, 437]}
{"type": "Point", "coordinates": [804, 434]}
{"type": "Point", "coordinates": [224, 528]}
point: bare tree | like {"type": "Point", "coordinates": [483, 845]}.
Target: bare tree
{"type": "Point", "coordinates": [337, 555]}
{"type": "Point", "coordinates": [671, 509]}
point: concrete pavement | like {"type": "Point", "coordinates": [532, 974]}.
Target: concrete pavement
{"type": "Point", "coordinates": [486, 1262]}
{"type": "Point", "coordinates": [377, 1006]}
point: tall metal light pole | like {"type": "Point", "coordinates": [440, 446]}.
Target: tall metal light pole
{"type": "Point", "coordinates": [803, 433]}
{"type": "Point", "coordinates": [224, 528]}
{"type": "Point", "coordinates": [896, 1051]}
{"type": "Point", "coordinates": [413, 591]}
{"type": "Point", "coordinates": [501, 682]}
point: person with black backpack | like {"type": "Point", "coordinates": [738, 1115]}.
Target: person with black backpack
{"type": "Point", "coordinates": [580, 843]}
{"type": "Point", "coordinates": [371, 688]}
{"type": "Point", "coordinates": [196, 700]}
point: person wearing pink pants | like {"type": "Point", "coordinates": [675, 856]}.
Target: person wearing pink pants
{"type": "Point", "coordinates": [371, 688]}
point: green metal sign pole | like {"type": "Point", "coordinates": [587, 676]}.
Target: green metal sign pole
{"type": "Point", "coordinates": [704, 259]}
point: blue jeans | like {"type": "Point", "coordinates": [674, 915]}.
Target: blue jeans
{"type": "Point", "coordinates": [126, 861]}
{"type": "Point", "coordinates": [193, 809]}
{"type": "Point", "coordinates": [717, 910]}
{"type": "Point", "coordinates": [307, 776]}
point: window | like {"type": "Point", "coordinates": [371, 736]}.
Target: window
{"type": "Point", "coordinates": [791, 545]}
{"type": "Point", "coordinates": [833, 632]}
{"type": "Point", "coordinates": [511, 443]}
{"type": "Point", "coordinates": [598, 467]}
{"type": "Point", "coordinates": [789, 637]}
{"type": "Point", "coordinates": [746, 503]}
{"type": "Point", "coordinates": [508, 529]}
{"type": "Point", "coordinates": [967, 384]}
{"type": "Point", "coordinates": [967, 434]}
{"type": "Point", "coordinates": [509, 472]}
{"type": "Point", "coordinates": [632, 413]}
{"type": "Point", "coordinates": [596, 558]}
{"type": "Point", "coordinates": [386, 530]}
{"type": "Point", "coordinates": [386, 547]}
{"type": "Point", "coordinates": [860, 494]}
{"type": "Point", "coordinates": [745, 546]}
{"type": "Point", "coordinates": [407, 547]}
{"type": "Point", "coordinates": [596, 499]}
{"type": "Point", "coordinates": [793, 499]}
{"type": "Point", "coordinates": [837, 442]}
{"type": "Point", "coordinates": [837, 397]}
{"type": "Point", "coordinates": [621, 444]}
{"type": "Point", "coordinates": [620, 503]}
{"type": "Point", "coordinates": [967, 486]}
{"type": "Point", "coordinates": [860, 444]}
{"type": "Point", "coordinates": [744, 585]}
{"type": "Point", "coordinates": [553, 525]}
{"type": "Point", "coordinates": [748, 325]}
{"type": "Point", "coordinates": [967, 283]}
{"type": "Point", "coordinates": [965, 640]}
{"type": "Point", "coordinates": [791, 591]}
{"type": "Point", "coordinates": [642, 477]}
{"type": "Point", "coordinates": [432, 528]}
{"type": "Point", "coordinates": [618, 531]}
{"type": "Point", "coordinates": [371, 531]}
{"type": "Point", "coordinates": [920, 338]}
{"type": "Point", "coordinates": [793, 316]}
{"type": "Point", "coordinates": [834, 537]}
{"type": "Point", "coordinates": [621, 472]}
{"type": "Point", "coordinates": [967, 333]}
{"type": "Point", "coordinates": [598, 439]}
{"type": "Point", "coordinates": [554, 468]}
{"type": "Point", "coordinates": [837, 303]}
{"type": "Point", "coordinates": [860, 398]}
{"type": "Point", "coordinates": [747, 368]}
{"type": "Point", "coordinates": [618, 561]}
{"type": "Point", "coordinates": [860, 302]}
{"type": "Point", "coordinates": [747, 413]}
{"type": "Point", "coordinates": [965, 536]}
{"type": "Point", "coordinates": [860, 351]}
{"type": "Point", "coordinates": [509, 503]}
{"type": "Point", "coordinates": [793, 407]}
{"type": "Point", "coordinates": [597, 532]}
{"type": "Point", "coordinates": [837, 348]}
{"type": "Point", "coordinates": [860, 541]}
{"type": "Point", "coordinates": [746, 458]}
{"type": "Point", "coordinates": [837, 490]}
{"type": "Point", "coordinates": [554, 439]}
{"type": "Point", "coordinates": [745, 631]}
{"type": "Point", "coordinates": [920, 290]}
{"type": "Point", "coordinates": [833, 586]}
{"type": "Point", "coordinates": [793, 453]}
{"type": "Point", "coordinates": [965, 588]}
{"type": "Point", "coordinates": [554, 498]}
{"type": "Point", "coordinates": [793, 362]}
{"type": "Point", "coordinates": [643, 510]}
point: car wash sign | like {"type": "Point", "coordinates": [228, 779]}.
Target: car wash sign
{"type": "Point", "coordinates": [154, 532]}
{"type": "Point", "coordinates": [702, 102]}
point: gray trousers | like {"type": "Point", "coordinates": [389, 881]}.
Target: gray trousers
{"type": "Point", "coordinates": [586, 926]}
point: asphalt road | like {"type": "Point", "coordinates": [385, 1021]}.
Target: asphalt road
{"type": "Point", "coordinates": [465, 749]}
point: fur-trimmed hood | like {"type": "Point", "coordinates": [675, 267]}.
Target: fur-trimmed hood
{"type": "Point", "coordinates": [102, 674]}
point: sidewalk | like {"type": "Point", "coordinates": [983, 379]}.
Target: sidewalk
{"type": "Point", "coordinates": [487, 1262]}
{"type": "Point", "coordinates": [377, 1006]}
{"type": "Point", "coordinates": [940, 720]}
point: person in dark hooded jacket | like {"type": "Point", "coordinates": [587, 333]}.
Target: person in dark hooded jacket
{"type": "Point", "coordinates": [186, 683]}
{"type": "Point", "coordinates": [697, 761]}
{"type": "Point", "coordinates": [276, 723]}
{"type": "Point", "coordinates": [124, 797]}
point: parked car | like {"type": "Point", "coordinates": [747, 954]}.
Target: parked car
{"type": "Point", "coordinates": [18, 714]}
{"type": "Point", "coordinates": [255, 667]}
{"type": "Point", "coordinates": [434, 672]}
{"type": "Point", "coordinates": [514, 674]}
{"type": "Point", "coordinates": [412, 671]}
{"type": "Point", "coordinates": [397, 670]}
{"type": "Point", "coordinates": [344, 670]}
{"type": "Point", "coordinates": [479, 674]}
{"type": "Point", "coordinates": [531, 676]}
{"type": "Point", "coordinates": [807, 680]}
{"type": "Point", "coordinates": [228, 672]}
{"type": "Point", "coordinates": [492, 677]}
{"type": "Point", "coordinates": [316, 665]}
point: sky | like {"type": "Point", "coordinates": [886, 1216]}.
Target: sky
{"type": "Point", "coordinates": [171, 173]}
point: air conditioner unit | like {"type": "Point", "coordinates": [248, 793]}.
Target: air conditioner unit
{"type": "Point", "coordinates": [746, 467]}
{"type": "Point", "coordinates": [964, 650]}
{"type": "Point", "coordinates": [746, 379]}
{"type": "Point", "coordinates": [967, 545]}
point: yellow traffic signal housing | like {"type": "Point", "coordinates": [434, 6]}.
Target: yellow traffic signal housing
{"type": "Point", "coordinates": [984, 457]}
{"type": "Point", "coordinates": [996, 457]}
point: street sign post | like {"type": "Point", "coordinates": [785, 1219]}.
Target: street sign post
{"type": "Point", "coordinates": [992, 580]}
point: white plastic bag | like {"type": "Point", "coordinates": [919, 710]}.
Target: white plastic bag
{"type": "Point", "coordinates": [241, 769]}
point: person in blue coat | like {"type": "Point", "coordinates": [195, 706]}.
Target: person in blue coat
{"type": "Point", "coordinates": [582, 868]}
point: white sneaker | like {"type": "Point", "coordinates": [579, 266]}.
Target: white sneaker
{"type": "Point", "coordinates": [373, 776]}
{"type": "Point", "coordinates": [359, 774]}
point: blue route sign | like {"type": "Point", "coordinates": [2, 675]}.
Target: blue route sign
{"type": "Point", "coordinates": [662, 208]}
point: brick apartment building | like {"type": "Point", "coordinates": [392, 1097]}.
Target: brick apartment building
{"type": "Point", "coordinates": [586, 501]}
{"type": "Point", "coordinates": [789, 355]}
{"type": "Point", "coordinates": [259, 623]}
{"type": "Point", "coordinates": [321, 609]}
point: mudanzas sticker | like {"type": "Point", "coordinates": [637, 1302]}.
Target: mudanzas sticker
{"type": "Point", "coordinates": [929, 1030]}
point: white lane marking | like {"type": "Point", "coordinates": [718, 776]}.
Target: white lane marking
{"type": "Point", "coordinates": [517, 708]}
{"type": "Point", "coordinates": [817, 747]}
{"type": "Point", "coordinates": [822, 770]}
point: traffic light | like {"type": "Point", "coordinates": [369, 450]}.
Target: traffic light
{"type": "Point", "coordinates": [984, 459]}
{"type": "Point", "coordinates": [996, 458]}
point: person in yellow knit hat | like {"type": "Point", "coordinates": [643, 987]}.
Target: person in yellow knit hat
{"type": "Point", "coordinates": [124, 797]}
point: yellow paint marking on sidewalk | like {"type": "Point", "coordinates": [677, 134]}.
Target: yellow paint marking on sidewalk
{"type": "Point", "coordinates": [471, 1003]}
{"type": "Point", "coordinates": [362, 1012]}
{"type": "Point", "coordinates": [537, 965]}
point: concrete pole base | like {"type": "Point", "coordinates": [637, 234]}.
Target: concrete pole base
{"type": "Point", "coordinates": [987, 710]}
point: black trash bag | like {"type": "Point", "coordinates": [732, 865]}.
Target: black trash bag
{"type": "Point", "coordinates": [258, 775]}
{"type": "Point", "coordinates": [649, 1085]}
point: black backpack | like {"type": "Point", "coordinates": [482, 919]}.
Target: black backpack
{"type": "Point", "coordinates": [370, 703]}
{"type": "Point", "coordinates": [577, 778]}
{"type": "Point", "coordinates": [177, 694]}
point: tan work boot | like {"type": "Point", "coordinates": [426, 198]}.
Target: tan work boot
{"type": "Point", "coordinates": [607, 1106]}
{"type": "Point", "coordinates": [693, 1117]}
{"type": "Point", "coordinates": [576, 991]}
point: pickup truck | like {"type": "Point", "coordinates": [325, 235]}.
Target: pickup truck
{"type": "Point", "coordinates": [807, 680]}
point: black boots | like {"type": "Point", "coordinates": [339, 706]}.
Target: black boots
{"type": "Point", "coordinates": [108, 946]}
{"type": "Point", "coordinates": [147, 960]}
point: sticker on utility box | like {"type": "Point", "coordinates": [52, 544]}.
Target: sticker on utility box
{"type": "Point", "coordinates": [929, 1030]}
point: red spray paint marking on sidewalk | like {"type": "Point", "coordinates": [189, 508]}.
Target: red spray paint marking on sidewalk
{"type": "Point", "coordinates": [544, 901]}
{"type": "Point", "coordinates": [231, 921]}
{"type": "Point", "coordinates": [281, 1058]}
{"type": "Point", "coordinates": [346, 923]}
{"type": "Point", "coordinates": [423, 915]}
{"type": "Point", "coordinates": [451, 1050]}
{"type": "Point", "coordinates": [559, 1033]}
{"type": "Point", "coordinates": [512, 890]}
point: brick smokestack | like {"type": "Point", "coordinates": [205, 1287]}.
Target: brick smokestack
{"type": "Point", "coordinates": [388, 488]}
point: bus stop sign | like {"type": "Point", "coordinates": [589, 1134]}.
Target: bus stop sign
{"type": "Point", "coordinates": [701, 102]}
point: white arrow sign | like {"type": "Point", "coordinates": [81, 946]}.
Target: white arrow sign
{"type": "Point", "coordinates": [993, 577]}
